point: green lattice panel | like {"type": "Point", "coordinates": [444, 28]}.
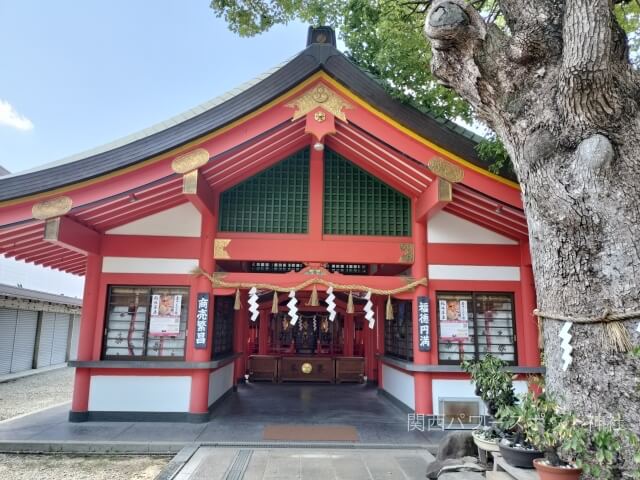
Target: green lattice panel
{"type": "Point", "coordinates": [357, 203]}
{"type": "Point", "coordinates": [273, 201]}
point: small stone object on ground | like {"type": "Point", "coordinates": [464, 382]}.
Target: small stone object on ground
{"type": "Point", "coordinates": [456, 450]}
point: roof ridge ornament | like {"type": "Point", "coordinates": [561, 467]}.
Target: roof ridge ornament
{"type": "Point", "coordinates": [321, 35]}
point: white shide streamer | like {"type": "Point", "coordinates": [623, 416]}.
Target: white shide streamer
{"type": "Point", "coordinates": [566, 345]}
{"type": "Point", "coordinates": [253, 304]}
{"type": "Point", "coordinates": [293, 310]}
{"type": "Point", "coordinates": [368, 309]}
{"type": "Point", "coordinates": [331, 304]}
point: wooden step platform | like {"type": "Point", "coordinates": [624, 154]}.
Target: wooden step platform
{"type": "Point", "coordinates": [500, 466]}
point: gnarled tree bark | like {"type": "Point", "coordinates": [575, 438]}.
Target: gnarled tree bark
{"type": "Point", "coordinates": [557, 87]}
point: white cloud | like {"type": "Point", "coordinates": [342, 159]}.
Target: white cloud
{"type": "Point", "coordinates": [10, 118]}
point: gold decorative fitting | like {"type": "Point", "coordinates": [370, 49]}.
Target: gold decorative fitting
{"type": "Point", "coordinates": [447, 170]}
{"type": "Point", "coordinates": [445, 191]}
{"type": "Point", "coordinates": [190, 182]}
{"type": "Point", "coordinates": [190, 161]}
{"type": "Point", "coordinates": [306, 368]}
{"type": "Point", "coordinates": [52, 228]}
{"type": "Point", "coordinates": [320, 116]}
{"type": "Point", "coordinates": [407, 253]}
{"type": "Point", "coordinates": [220, 248]}
{"type": "Point", "coordinates": [320, 96]}
{"type": "Point", "coordinates": [55, 207]}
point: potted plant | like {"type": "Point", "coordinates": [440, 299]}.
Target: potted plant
{"type": "Point", "coordinates": [560, 436]}
{"type": "Point", "coordinates": [493, 383]}
{"type": "Point", "coordinates": [494, 386]}
{"type": "Point", "coordinates": [519, 421]}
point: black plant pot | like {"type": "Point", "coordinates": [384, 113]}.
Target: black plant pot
{"type": "Point", "coordinates": [519, 457]}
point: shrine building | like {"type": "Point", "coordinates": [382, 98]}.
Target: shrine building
{"type": "Point", "coordinates": [305, 227]}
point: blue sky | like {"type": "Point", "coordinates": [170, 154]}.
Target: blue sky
{"type": "Point", "coordinates": [77, 74]}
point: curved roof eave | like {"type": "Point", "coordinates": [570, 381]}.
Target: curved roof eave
{"type": "Point", "coordinates": [227, 108]}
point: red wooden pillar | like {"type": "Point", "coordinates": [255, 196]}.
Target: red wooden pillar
{"type": "Point", "coordinates": [80, 401]}
{"type": "Point", "coordinates": [316, 193]}
{"type": "Point", "coordinates": [240, 337]}
{"type": "Point", "coordinates": [349, 333]}
{"type": "Point", "coordinates": [199, 404]}
{"type": "Point", "coordinates": [380, 340]}
{"type": "Point", "coordinates": [263, 332]}
{"type": "Point", "coordinates": [529, 344]}
{"type": "Point", "coordinates": [423, 399]}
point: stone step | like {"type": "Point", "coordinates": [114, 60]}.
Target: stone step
{"type": "Point", "coordinates": [498, 476]}
{"type": "Point", "coordinates": [461, 476]}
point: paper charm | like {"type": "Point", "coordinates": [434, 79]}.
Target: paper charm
{"type": "Point", "coordinates": [253, 303]}
{"type": "Point", "coordinates": [331, 304]}
{"type": "Point", "coordinates": [566, 345]}
{"type": "Point", "coordinates": [293, 310]}
{"type": "Point", "coordinates": [368, 309]}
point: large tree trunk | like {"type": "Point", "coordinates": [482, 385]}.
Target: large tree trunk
{"type": "Point", "coordinates": [557, 87]}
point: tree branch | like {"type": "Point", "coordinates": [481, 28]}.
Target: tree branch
{"type": "Point", "coordinates": [596, 80]}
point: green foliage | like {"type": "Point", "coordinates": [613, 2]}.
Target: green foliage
{"type": "Point", "coordinates": [537, 421]}
{"type": "Point", "coordinates": [493, 383]}
{"type": "Point", "coordinates": [493, 151]}
{"type": "Point", "coordinates": [251, 17]}
{"type": "Point", "coordinates": [385, 39]}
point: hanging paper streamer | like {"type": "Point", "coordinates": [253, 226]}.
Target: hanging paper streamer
{"type": "Point", "coordinates": [566, 345]}
{"type": "Point", "coordinates": [331, 304]}
{"type": "Point", "coordinates": [368, 309]}
{"type": "Point", "coordinates": [253, 304]}
{"type": "Point", "coordinates": [293, 310]}
{"type": "Point", "coordinates": [638, 329]}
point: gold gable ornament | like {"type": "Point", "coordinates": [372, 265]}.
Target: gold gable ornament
{"type": "Point", "coordinates": [323, 97]}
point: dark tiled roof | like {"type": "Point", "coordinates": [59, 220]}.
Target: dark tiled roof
{"type": "Point", "coordinates": [229, 108]}
{"type": "Point", "coordinates": [25, 293]}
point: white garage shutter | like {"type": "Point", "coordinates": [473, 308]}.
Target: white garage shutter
{"type": "Point", "coordinates": [75, 335]}
{"type": "Point", "coordinates": [7, 334]}
{"type": "Point", "coordinates": [60, 338]}
{"type": "Point", "coordinates": [25, 341]}
{"type": "Point", "coordinates": [46, 339]}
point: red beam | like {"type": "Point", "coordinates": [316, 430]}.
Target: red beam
{"type": "Point", "coordinates": [287, 280]}
{"type": "Point", "coordinates": [433, 199]}
{"type": "Point", "coordinates": [279, 249]}
{"type": "Point", "coordinates": [199, 193]}
{"type": "Point", "coordinates": [145, 246]}
{"type": "Point", "coordinates": [68, 233]}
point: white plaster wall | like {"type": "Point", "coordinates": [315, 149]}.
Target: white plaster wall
{"type": "Point", "coordinates": [462, 389]}
{"type": "Point", "coordinates": [447, 228]}
{"type": "Point", "coordinates": [220, 381]}
{"type": "Point", "coordinates": [400, 385]}
{"type": "Point", "coordinates": [148, 265]}
{"type": "Point", "coordinates": [109, 393]}
{"type": "Point", "coordinates": [181, 221]}
{"type": "Point", "coordinates": [473, 272]}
